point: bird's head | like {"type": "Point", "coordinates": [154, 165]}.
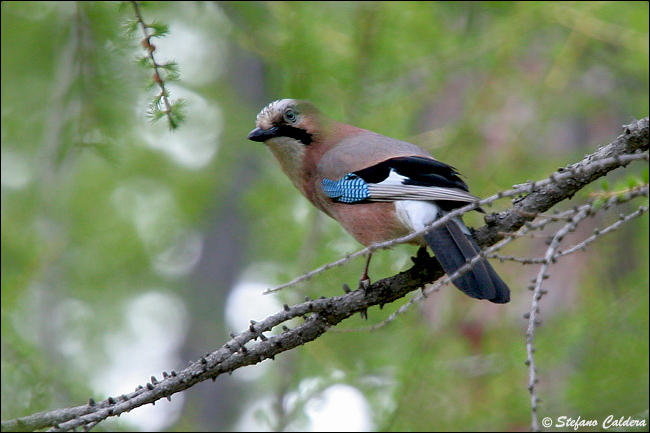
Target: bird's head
{"type": "Point", "coordinates": [286, 118]}
{"type": "Point", "coordinates": [296, 133]}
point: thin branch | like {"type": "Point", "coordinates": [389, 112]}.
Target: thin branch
{"type": "Point", "coordinates": [543, 274]}
{"type": "Point", "coordinates": [599, 233]}
{"type": "Point", "coordinates": [173, 111]}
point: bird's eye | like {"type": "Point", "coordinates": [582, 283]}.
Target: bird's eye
{"type": "Point", "coordinates": [290, 115]}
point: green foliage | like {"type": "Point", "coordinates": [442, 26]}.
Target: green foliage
{"type": "Point", "coordinates": [175, 112]}
{"type": "Point", "coordinates": [162, 74]}
{"type": "Point", "coordinates": [159, 29]}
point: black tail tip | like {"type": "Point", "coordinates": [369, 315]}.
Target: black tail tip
{"type": "Point", "coordinates": [502, 297]}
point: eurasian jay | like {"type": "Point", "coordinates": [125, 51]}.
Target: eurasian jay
{"type": "Point", "coordinates": [378, 188]}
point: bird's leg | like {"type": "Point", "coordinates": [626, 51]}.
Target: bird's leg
{"type": "Point", "coordinates": [422, 256]}
{"type": "Point", "coordinates": [364, 282]}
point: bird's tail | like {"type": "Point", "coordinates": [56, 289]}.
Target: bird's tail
{"type": "Point", "coordinates": [454, 249]}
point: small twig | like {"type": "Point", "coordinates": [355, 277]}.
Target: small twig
{"type": "Point", "coordinates": [173, 111]}
{"type": "Point", "coordinates": [534, 309]}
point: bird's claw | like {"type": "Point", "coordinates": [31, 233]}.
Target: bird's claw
{"type": "Point", "coordinates": [422, 256]}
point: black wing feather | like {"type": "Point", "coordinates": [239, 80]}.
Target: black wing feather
{"type": "Point", "coordinates": [419, 170]}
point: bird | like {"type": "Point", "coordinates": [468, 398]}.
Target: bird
{"type": "Point", "coordinates": [378, 188]}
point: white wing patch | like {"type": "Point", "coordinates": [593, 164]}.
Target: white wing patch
{"type": "Point", "coordinates": [393, 188]}
{"type": "Point", "coordinates": [416, 214]}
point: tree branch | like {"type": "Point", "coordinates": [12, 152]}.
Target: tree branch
{"type": "Point", "coordinates": [252, 346]}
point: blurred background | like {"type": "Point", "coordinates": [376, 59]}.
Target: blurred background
{"type": "Point", "coordinates": [128, 249]}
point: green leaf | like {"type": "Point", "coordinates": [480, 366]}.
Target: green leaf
{"type": "Point", "coordinates": [159, 29]}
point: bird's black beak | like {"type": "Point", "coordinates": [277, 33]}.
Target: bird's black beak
{"type": "Point", "coordinates": [261, 135]}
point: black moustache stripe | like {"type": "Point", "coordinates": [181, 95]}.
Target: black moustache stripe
{"type": "Point", "coordinates": [297, 133]}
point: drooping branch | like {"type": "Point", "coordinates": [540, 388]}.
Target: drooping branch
{"type": "Point", "coordinates": [162, 105]}
{"type": "Point", "coordinates": [253, 346]}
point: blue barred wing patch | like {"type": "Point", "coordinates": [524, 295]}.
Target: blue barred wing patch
{"type": "Point", "coordinates": [349, 189]}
